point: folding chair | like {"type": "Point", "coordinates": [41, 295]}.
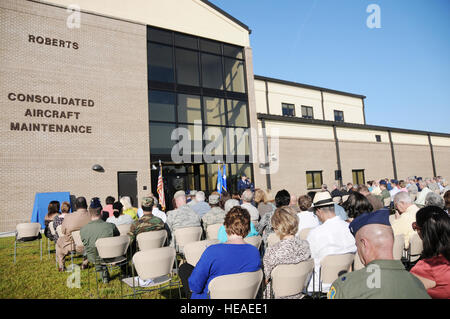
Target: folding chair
{"type": "Point", "coordinates": [290, 279]}
{"type": "Point", "coordinates": [154, 269]}
{"type": "Point", "coordinates": [387, 202]}
{"type": "Point", "coordinates": [272, 239]}
{"type": "Point", "coordinates": [212, 231]}
{"type": "Point", "coordinates": [52, 230]}
{"type": "Point", "coordinates": [112, 252]}
{"type": "Point", "coordinates": [193, 251]}
{"type": "Point", "coordinates": [77, 246]}
{"type": "Point", "coordinates": [183, 236]}
{"type": "Point", "coordinates": [357, 263]}
{"type": "Point", "coordinates": [124, 229]}
{"type": "Point", "coordinates": [399, 247]}
{"type": "Point", "coordinates": [332, 266]}
{"type": "Point", "coordinates": [254, 240]}
{"type": "Point", "coordinates": [304, 233]}
{"type": "Point", "coordinates": [151, 239]}
{"type": "Point", "coordinates": [414, 250]}
{"type": "Point", "coordinates": [236, 286]}
{"type": "Point", "coordinates": [27, 232]}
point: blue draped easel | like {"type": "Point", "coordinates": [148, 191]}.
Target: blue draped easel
{"type": "Point", "coordinates": [41, 201]}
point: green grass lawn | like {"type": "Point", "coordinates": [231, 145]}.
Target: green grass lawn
{"type": "Point", "coordinates": [32, 278]}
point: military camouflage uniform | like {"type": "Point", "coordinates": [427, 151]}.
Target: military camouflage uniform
{"type": "Point", "coordinates": [180, 218]}
{"type": "Point", "coordinates": [216, 215]}
{"type": "Point", "coordinates": [144, 224]}
{"type": "Point", "coordinates": [393, 282]}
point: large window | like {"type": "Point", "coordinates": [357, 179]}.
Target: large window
{"type": "Point", "coordinates": [338, 116]}
{"type": "Point", "coordinates": [314, 179]}
{"type": "Point", "coordinates": [187, 67]}
{"type": "Point", "coordinates": [162, 106]}
{"type": "Point", "coordinates": [212, 71]}
{"type": "Point", "coordinates": [358, 177]}
{"type": "Point", "coordinates": [288, 109]}
{"type": "Point", "coordinates": [160, 66]}
{"type": "Point", "coordinates": [307, 112]}
{"type": "Point", "coordinates": [189, 108]}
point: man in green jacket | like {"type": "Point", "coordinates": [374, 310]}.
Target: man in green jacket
{"type": "Point", "coordinates": [95, 229]}
{"type": "Point", "coordinates": [383, 277]}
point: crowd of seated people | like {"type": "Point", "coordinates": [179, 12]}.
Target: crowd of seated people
{"type": "Point", "coordinates": [336, 227]}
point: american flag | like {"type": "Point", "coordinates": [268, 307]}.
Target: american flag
{"type": "Point", "coordinates": [160, 189]}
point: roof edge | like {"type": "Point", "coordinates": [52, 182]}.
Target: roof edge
{"type": "Point", "coordinates": [229, 16]}
{"type": "Point", "coordinates": [292, 119]}
{"type": "Point", "coordinates": [307, 86]}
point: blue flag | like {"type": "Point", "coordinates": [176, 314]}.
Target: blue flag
{"type": "Point", "coordinates": [221, 179]}
{"type": "Point", "coordinates": [224, 178]}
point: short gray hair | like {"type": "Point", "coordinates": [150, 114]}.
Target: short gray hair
{"type": "Point", "coordinates": [229, 204]}
{"type": "Point", "coordinates": [247, 195]}
{"type": "Point", "coordinates": [433, 199]}
{"type": "Point", "coordinates": [402, 197]}
{"type": "Point", "coordinates": [200, 196]}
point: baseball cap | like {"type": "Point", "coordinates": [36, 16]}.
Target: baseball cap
{"type": "Point", "coordinates": [380, 216]}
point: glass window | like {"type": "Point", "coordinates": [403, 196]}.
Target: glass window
{"type": "Point", "coordinates": [378, 138]}
{"type": "Point", "coordinates": [338, 116]}
{"type": "Point", "coordinates": [196, 138]}
{"type": "Point", "coordinates": [160, 63]}
{"type": "Point", "coordinates": [239, 142]}
{"type": "Point", "coordinates": [212, 71]}
{"type": "Point", "coordinates": [187, 67]}
{"type": "Point", "coordinates": [214, 110]}
{"type": "Point", "coordinates": [161, 106]}
{"type": "Point", "coordinates": [160, 134]}
{"type": "Point", "coordinates": [159, 36]}
{"type": "Point", "coordinates": [314, 180]}
{"type": "Point", "coordinates": [216, 137]}
{"type": "Point", "coordinates": [232, 51]}
{"type": "Point", "coordinates": [288, 109]}
{"type": "Point", "coordinates": [358, 177]}
{"type": "Point", "coordinates": [237, 113]}
{"type": "Point", "coordinates": [234, 75]}
{"type": "Point", "coordinates": [189, 108]}
{"type": "Point", "coordinates": [186, 41]}
{"type": "Point", "coordinates": [307, 112]}
{"type": "Point", "coordinates": [210, 46]}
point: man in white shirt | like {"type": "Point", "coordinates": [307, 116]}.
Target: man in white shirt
{"type": "Point", "coordinates": [247, 198]}
{"type": "Point", "coordinates": [420, 201]}
{"type": "Point", "coordinates": [405, 216]}
{"type": "Point", "coordinates": [395, 189]}
{"type": "Point", "coordinates": [332, 237]}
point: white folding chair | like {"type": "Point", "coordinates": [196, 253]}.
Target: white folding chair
{"type": "Point", "coordinates": [304, 233]}
{"type": "Point", "coordinates": [49, 242]}
{"type": "Point", "coordinates": [124, 229]}
{"type": "Point", "coordinates": [151, 239]}
{"type": "Point", "coordinates": [254, 240]}
{"type": "Point", "coordinates": [193, 251]}
{"type": "Point", "coordinates": [25, 233]}
{"type": "Point", "coordinates": [399, 246]}
{"type": "Point", "coordinates": [153, 268]}
{"type": "Point", "coordinates": [183, 236]}
{"type": "Point", "coordinates": [290, 279]}
{"type": "Point", "coordinates": [235, 286]}
{"type": "Point", "coordinates": [415, 249]}
{"type": "Point", "coordinates": [332, 266]}
{"type": "Point", "coordinates": [212, 231]}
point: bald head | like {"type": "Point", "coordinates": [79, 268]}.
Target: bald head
{"type": "Point", "coordinates": [293, 200]}
{"type": "Point", "coordinates": [375, 241]}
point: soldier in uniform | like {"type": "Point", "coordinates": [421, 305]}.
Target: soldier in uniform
{"type": "Point", "coordinates": [182, 216]}
{"type": "Point", "coordinates": [383, 277]}
{"type": "Point", "coordinates": [148, 222]}
{"type": "Point", "coordinates": [216, 214]}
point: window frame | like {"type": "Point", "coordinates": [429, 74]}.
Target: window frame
{"type": "Point", "coordinates": [307, 108]}
{"type": "Point", "coordinates": [283, 105]}
{"type": "Point", "coordinates": [342, 112]}
{"type": "Point", "coordinates": [312, 173]}
{"type": "Point", "coordinates": [357, 171]}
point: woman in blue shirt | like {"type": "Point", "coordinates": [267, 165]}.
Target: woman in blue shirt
{"type": "Point", "coordinates": [232, 257]}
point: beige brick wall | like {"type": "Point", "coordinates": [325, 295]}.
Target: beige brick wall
{"type": "Point", "coordinates": [413, 160]}
{"type": "Point", "coordinates": [300, 155]}
{"type": "Point", "coordinates": [374, 158]}
{"type": "Point", "coordinates": [109, 68]}
{"type": "Point", "coordinates": [442, 160]}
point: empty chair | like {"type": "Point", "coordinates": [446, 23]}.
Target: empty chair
{"type": "Point", "coordinates": [186, 235]}
{"type": "Point", "coordinates": [27, 232]}
{"type": "Point", "coordinates": [399, 246]}
{"type": "Point", "coordinates": [272, 239]}
{"type": "Point", "coordinates": [112, 252]}
{"type": "Point", "coordinates": [254, 240]}
{"type": "Point", "coordinates": [153, 267]}
{"type": "Point", "coordinates": [193, 251]}
{"type": "Point", "coordinates": [332, 266]}
{"type": "Point", "coordinates": [236, 286]}
{"type": "Point", "coordinates": [124, 229]}
{"type": "Point", "coordinates": [289, 280]}
{"type": "Point", "coordinates": [304, 233]}
{"type": "Point", "coordinates": [151, 239]}
{"type": "Point", "coordinates": [212, 231]}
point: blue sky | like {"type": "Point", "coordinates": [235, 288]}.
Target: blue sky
{"type": "Point", "coordinates": [403, 68]}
